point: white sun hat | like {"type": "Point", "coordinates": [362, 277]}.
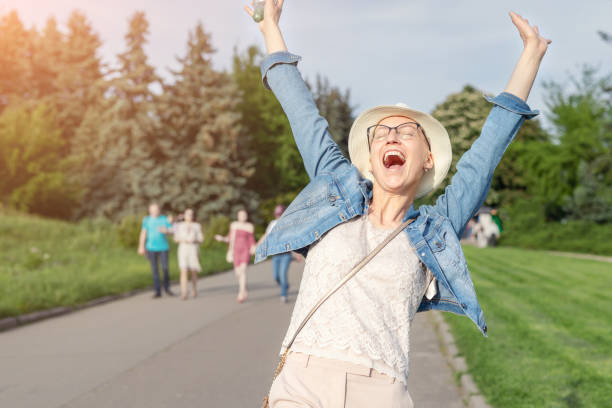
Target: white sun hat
{"type": "Point", "coordinates": [436, 134]}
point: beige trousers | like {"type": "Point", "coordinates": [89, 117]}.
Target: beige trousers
{"type": "Point", "coordinates": [313, 382]}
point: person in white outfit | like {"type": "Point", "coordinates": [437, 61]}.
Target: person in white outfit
{"type": "Point", "coordinates": [188, 234]}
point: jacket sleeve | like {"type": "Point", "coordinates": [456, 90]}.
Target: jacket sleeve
{"type": "Point", "coordinates": [310, 130]}
{"type": "Point", "coordinates": [470, 184]}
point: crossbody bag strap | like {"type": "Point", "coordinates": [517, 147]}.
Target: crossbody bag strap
{"type": "Point", "coordinates": [352, 273]}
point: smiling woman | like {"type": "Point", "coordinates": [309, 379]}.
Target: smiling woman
{"type": "Point", "coordinates": [354, 351]}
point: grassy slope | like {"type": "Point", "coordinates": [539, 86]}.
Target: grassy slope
{"type": "Point", "coordinates": [46, 263]}
{"type": "Point", "coordinates": [550, 329]}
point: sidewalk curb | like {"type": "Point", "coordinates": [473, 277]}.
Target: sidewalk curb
{"type": "Point", "coordinates": [469, 391]}
{"type": "Point", "coordinates": [14, 322]}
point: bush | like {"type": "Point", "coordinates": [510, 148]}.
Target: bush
{"type": "Point", "coordinates": [217, 225]}
{"type": "Point", "coordinates": [524, 227]}
{"type": "Point", "coordinates": [128, 231]}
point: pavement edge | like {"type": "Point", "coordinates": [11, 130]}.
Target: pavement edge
{"type": "Point", "coordinates": [472, 398]}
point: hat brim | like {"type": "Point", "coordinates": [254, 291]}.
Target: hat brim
{"type": "Point", "coordinates": [437, 135]}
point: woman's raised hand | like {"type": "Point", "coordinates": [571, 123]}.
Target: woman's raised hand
{"type": "Point", "coordinates": [526, 69]}
{"type": "Point", "coordinates": [269, 25]}
{"type": "Point", "coordinates": [272, 13]}
{"type": "Point", "coordinates": [532, 40]}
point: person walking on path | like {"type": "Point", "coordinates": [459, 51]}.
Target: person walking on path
{"type": "Point", "coordinates": [280, 262]}
{"type": "Point", "coordinates": [241, 246]}
{"type": "Point", "coordinates": [188, 235]}
{"type": "Point", "coordinates": [354, 351]}
{"type": "Point", "coordinates": [154, 245]}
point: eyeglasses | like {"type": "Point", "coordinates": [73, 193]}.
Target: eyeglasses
{"type": "Point", "coordinates": [404, 131]}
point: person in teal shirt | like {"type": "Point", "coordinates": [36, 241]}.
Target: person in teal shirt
{"type": "Point", "coordinates": [154, 245]}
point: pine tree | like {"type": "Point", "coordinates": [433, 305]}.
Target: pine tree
{"type": "Point", "coordinates": [115, 139]}
{"type": "Point", "coordinates": [46, 60]}
{"type": "Point", "coordinates": [15, 44]}
{"type": "Point", "coordinates": [203, 145]}
{"type": "Point", "coordinates": [79, 77]}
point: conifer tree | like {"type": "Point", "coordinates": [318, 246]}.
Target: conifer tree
{"type": "Point", "coordinates": [115, 139]}
{"type": "Point", "coordinates": [202, 144]}
{"type": "Point", "coordinates": [46, 60]}
{"type": "Point", "coordinates": [79, 77]}
{"type": "Point", "coordinates": [15, 42]}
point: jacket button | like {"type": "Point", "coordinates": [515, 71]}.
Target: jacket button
{"type": "Point", "coordinates": [422, 253]}
{"type": "Point", "coordinates": [332, 198]}
{"type": "Point", "coordinates": [485, 328]}
{"type": "Point", "coordinates": [288, 247]}
{"type": "Point", "coordinates": [464, 306]}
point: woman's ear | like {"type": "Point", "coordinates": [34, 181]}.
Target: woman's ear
{"type": "Point", "coordinates": [429, 162]}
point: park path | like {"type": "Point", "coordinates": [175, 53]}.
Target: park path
{"type": "Point", "coordinates": [207, 352]}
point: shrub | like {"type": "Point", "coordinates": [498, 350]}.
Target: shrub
{"type": "Point", "coordinates": [217, 225]}
{"type": "Point", "coordinates": [128, 231]}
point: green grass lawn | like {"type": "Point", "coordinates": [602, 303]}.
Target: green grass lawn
{"type": "Point", "coordinates": [550, 329]}
{"type": "Point", "coordinates": [46, 263]}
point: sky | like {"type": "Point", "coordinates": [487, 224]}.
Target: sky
{"type": "Point", "coordinates": [411, 51]}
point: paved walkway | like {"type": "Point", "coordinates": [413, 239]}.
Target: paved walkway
{"type": "Point", "coordinates": [208, 352]}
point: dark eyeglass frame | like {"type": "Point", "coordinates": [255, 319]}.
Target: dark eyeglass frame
{"type": "Point", "coordinates": [395, 128]}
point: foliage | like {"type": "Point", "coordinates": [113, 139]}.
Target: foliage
{"type": "Point", "coordinates": [116, 136]}
{"type": "Point", "coordinates": [200, 150]}
{"type": "Point", "coordinates": [548, 326]}
{"type": "Point", "coordinates": [128, 231]}
{"type": "Point", "coordinates": [278, 166]}
{"type": "Point", "coordinates": [335, 106]}
{"type": "Point", "coordinates": [32, 178]}
{"type": "Point", "coordinates": [525, 226]}
{"type": "Point", "coordinates": [582, 116]}
{"type": "Point", "coordinates": [218, 224]}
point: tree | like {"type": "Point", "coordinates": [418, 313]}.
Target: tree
{"type": "Point", "coordinates": [15, 42]}
{"type": "Point", "coordinates": [115, 139]}
{"type": "Point", "coordinates": [202, 145]}
{"type": "Point", "coordinates": [32, 176]}
{"type": "Point", "coordinates": [79, 77]}
{"type": "Point", "coordinates": [581, 113]}
{"type": "Point", "coordinates": [335, 106]}
{"type": "Point", "coordinates": [278, 166]}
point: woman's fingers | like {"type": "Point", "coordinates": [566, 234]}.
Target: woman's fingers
{"type": "Point", "coordinates": [248, 10]}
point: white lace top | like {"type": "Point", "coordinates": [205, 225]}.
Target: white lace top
{"type": "Point", "coordinates": [368, 320]}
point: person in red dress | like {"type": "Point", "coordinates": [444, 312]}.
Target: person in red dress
{"type": "Point", "coordinates": [241, 246]}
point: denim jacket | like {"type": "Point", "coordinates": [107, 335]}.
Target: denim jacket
{"type": "Point", "coordinates": [337, 192]}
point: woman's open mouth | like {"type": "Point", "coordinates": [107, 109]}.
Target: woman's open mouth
{"type": "Point", "coordinates": [393, 159]}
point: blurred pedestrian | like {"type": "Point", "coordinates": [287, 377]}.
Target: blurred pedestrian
{"type": "Point", "coordinates": [154, 245]}
{"type": "Point", "coordinates": [188, 235]}
{"type": "Point", "coordinates": [497, 220]}
{"type": "Point", "coordinates": [487, 232]}
{"type": "Point", "coordinates": [241, 246]}
{"type": "Point", "coordinates": [280, 262]}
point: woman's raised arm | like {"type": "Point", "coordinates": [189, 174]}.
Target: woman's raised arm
{"type": "Point", "coordinates": [470, 184]}
{"type": "Point", "coordinates": [310, 130]}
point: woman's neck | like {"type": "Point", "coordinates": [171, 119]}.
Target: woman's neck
{"type": "Point", "coordinates": [387, 209]}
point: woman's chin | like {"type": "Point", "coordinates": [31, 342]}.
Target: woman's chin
{"type": "Point", "coordinates": [395, 184]}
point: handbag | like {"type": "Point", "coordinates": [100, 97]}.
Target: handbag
{"type": "Point", "coordinates": [352, 273]}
